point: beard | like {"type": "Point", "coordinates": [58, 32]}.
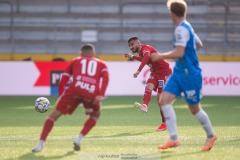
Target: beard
{"type": "Point", "coordinates": [135, 50]}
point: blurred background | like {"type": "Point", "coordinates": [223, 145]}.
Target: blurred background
{"type": "Point", "coordinates": [38, 38]}
{"type": "Point", "coordinates": [55, 29]}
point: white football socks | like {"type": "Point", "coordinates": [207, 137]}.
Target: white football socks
{"type": "Point", "coordinates": [78, 139]}
{"type": "Point", "coordinates": [170, 117]}
{"type": "Point", "coordinates": [205, 122]}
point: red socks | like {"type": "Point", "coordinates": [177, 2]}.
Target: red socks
{"type": "Point", "coordinates": [147, 96]}
{"type": "Point", "coordinates": [89, 124]}
{"type": "Point", "coordinates": [146, 99]}
{"type": "Point", "coordinates": [48, 125]}
{"type": "Point", "coordinates": [163, 119]}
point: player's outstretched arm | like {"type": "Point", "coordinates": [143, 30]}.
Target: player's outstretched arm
{"type": "Point", "coordinates": [130, 56]}
{"type": "Point", "coordinates": [177, 53]}
{"type": "Point", "coordinates": [198, 41]}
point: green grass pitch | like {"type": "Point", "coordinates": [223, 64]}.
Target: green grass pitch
{"type": "Point", "coordinates": [121, 133]}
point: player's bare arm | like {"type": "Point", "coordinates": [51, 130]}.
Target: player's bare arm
{"type": "Point", "coordinates": [199, 43]}
{"type": "Point", "coordinates": [177, 53]}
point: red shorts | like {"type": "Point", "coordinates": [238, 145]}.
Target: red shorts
{"type": "Point", "coordinates": [68, 102]}
{"type": "Point", "coordinates": [159, 81]}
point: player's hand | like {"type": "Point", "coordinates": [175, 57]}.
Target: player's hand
{"type": "Point", "coordinates": [98, 99]}
{"type": "Point", "coordinates": [136, 74]}
{"type": "Point", "coordinates": [128, 55]}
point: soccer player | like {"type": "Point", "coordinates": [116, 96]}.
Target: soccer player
{"type": "Point", "coordinates": [186, 77]}
{"type": "Point", "coordinates": [90, 81]}
{"type": "Point", "coordinates": [160, 70]}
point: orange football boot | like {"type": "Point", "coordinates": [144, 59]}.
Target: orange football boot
{"type": "Point", "coordinates": [209, 143]}
{"type": "Point", "coordinates": [170, 144]}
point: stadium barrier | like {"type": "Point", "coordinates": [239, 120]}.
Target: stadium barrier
{"type": "Point", "coordinates": [41, 78]}
{"type": "Point", "coordinates": [105, 57]}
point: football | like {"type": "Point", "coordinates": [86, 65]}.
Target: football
{"type": "Point", "coordinates": [42, 104]}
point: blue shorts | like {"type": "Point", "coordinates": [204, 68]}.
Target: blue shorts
{"type": "Point", "coordinates": [191, 86]}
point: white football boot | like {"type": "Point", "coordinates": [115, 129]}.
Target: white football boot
{"type": "Point", "coordinates": [39, 147]}
{"type": "Point", "coordinates": [143, 107]}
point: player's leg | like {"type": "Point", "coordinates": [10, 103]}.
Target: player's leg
{"type": "Point", "coordinates": [161, 83]}
{"type": "Point", "coordinates": [47, 127]}
{"type": "Point", "coordinates": [148, 93]}
{"type": "Point", "coordinates": [170, 117]}
{"type": "Point", "coordinates": [94, 114]}
{"type": "Point", "coordinates": [204, 120]}
{"type": "Point", "coordinates": [146, 98]}
{"type": "Point", "coordinates": [193, 96]}
{"type": "Point", "coordinates": [66, 104]}
{"type": "Point", "coordinates": [163, 125]}
{"type": "Point", "coordinates": [169, 94]}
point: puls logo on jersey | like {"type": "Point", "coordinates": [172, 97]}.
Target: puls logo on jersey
{"type": "Point", "coordinates": [86, 86]}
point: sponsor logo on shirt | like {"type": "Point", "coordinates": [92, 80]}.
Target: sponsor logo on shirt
{"type": "Point", "coordinates": [85, 86]}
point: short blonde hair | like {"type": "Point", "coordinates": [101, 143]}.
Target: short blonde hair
{"type": "Point", "coordinates": [178, 7]}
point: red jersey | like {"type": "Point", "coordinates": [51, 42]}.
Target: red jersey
{"type": "Point", "coordinates": [90, 77]}
{"type": "Point", "coordinates": [160, 67]}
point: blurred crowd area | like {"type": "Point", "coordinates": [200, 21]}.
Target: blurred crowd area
{"type": "Point", "coordinates": [60, 27]}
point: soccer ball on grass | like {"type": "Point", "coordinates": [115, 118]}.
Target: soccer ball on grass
{"type": "Point", "coordinates": [42, 104]}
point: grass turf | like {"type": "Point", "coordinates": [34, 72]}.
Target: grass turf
{"type": "Point", "coordinates": [121, 133]}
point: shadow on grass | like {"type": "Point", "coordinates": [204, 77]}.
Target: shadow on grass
{"type": "Point", "coordinates": [172, 154]}
{"type": "Point", "coordinates": [34, 156]}
{"type": "Point", "coordinates": [232, 140]}
{"type": "Point", "coordinates": [120, 135]}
